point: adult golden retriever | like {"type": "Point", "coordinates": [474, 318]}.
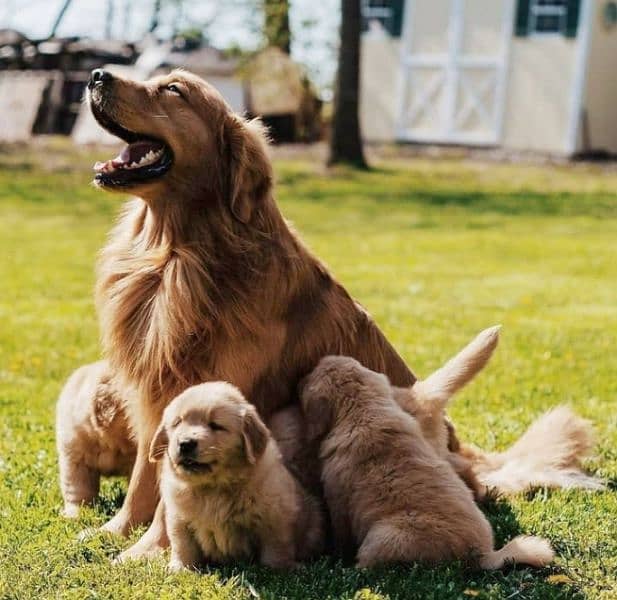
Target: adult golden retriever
{"type": "Point", "coordinates": [202, 279]}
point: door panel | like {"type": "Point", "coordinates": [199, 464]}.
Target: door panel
{"type": "Point", "coordinates": [454, 63]}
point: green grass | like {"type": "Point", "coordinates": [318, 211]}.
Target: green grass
{"type": "Point", "coordinates": [436, 251]}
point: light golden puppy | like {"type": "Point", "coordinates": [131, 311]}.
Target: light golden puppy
{"type": "Point", "coordinates": [389, 493]}
{"type": "Point", "coordinates": [226, 493]}
{"type": "Point", "coordinates": [92, 436]}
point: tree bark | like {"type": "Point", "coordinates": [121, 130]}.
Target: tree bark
{"type": "Point", "coordinates": [59, 18]}
{"type": "Point", "coordinates": [277, 31]}
{"type": "Point", "coordinates": [346, 140]}
{"type": "Point", "coordinates": [156, 14]}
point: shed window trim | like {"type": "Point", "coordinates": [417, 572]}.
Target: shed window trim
{"type": "Point", "coordinates": [389, 13]}
{"type": "Point", "coordinates": [538, 11]}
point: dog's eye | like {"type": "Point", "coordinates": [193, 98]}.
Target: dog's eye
{"type": "Point", "coordinates": [174, 89]}
{"type": "Point", "coordinates": [215, 426]}
{"type": "Point", "coordinates": [176, 422]}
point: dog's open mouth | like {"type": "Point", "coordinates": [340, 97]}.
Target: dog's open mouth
{"type": "Point", "coordinates": [142, 159]}
{"type": "Point", "coordinates": [194, 466]}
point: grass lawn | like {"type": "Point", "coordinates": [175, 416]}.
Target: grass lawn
{"type": "Point", "coordinates": [436, 251]}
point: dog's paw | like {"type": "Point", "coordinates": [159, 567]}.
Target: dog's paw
{"type": "Point", "coordinates": [118, 525]}
{"type": "Point", "coordinates": [70, 511]}
{"type": "Point", "coordinates": [177, 566]}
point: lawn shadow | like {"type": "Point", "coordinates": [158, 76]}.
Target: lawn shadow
{"type": "Point", "coordinates": [111, 497]}
{"type": "Point", "coordinates": [330, 578]}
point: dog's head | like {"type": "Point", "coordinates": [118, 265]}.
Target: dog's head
{"type": "Point", "coordinates": [183, 140]}
{"type": "Point", "coordinates": [209, 432]}
{"type": "Point", "coordinates": [337, 386]}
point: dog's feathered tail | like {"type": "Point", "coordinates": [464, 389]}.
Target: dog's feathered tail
{"type": "Point", "coordinates": [436, 390]}
{"type": "Point", "coordinates": [548, 454]}
{"type": "Point", "coordinates": [525, 549]}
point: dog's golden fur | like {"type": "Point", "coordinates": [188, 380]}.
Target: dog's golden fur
{"type": "Point", "coordinates": [92, 435]}
{"type": "Point", "coordinates": [391, 497]}
{"type": "Point", "coordinates": [230, 496]}
{"type": "Point", "coordinates": [203, 279]}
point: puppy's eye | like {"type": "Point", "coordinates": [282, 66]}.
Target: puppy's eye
{"type": "Point", "coordinates": [216, 426]}
{"type": "Point", "coordinates": [176, 422]}
{"type": "Point", "coordinates": [174, 89]}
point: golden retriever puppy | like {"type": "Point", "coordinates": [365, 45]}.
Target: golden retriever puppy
{"type": "Point", "coordinates": [226, 492]}
{"type": "Point", "coordinates": [389, 493]}
{"type": "Point", "coordinates": [92, 435]}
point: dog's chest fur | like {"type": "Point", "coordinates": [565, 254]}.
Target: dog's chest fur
{"type": "Point", "coordinates": [169, 322]}
{"type": "Point", "coordinates": [223, 524]}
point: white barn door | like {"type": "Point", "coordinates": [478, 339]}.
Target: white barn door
{"type": "Point", "coordinates": [454, 62]}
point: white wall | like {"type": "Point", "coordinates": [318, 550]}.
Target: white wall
{"type": "Point", "coordinates": [539, 93]}
{"type": "Point", "coordinates": [380, 76]}
{"type": "Point", "coordinates": [599, 130]}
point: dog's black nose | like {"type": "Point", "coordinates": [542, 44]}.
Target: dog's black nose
{"type": "Point", "coordinates": [99, 76]}
{"type": "Point", "coordinates": [187, 446]}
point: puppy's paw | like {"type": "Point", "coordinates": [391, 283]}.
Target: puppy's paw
{"type": "Point", "coordinates": [177, 566]}
{"type": "Point", "coordinates": [70, 511]}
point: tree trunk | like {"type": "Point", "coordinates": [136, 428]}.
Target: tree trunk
{"type": "Point", "coordinates": [345, 140]}
{"type": "Point", "coordinates": [156, 14]}
{"type": "Point", "coordinates": [59, 18]}
{"type": "Point", "coordinates": [276, 13]}
{"type": "Point", "coordinates": [109, 19]}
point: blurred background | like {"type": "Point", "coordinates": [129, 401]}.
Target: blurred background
{"type": "Point", "coordinates": [518, 75]}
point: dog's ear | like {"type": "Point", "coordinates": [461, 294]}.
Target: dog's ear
{"type": "Point", "coordinates": [159, 444]}
{"type": "Point", "coordinates": [254, 435]}
{"type": "Point", "coordinates": [249, 168]}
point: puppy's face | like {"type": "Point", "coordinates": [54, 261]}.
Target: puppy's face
{"type": "Point", "coordinates": [338, 385]}
{"type": "Point", "coordinates": [210, 432]}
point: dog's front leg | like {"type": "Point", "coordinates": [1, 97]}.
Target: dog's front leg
{"type": "Point", "coordinates": [142, 495]}
{"type": "Point", "coordinates": [152, 542]}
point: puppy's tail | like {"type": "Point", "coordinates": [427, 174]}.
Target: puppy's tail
{"type": "Point", "coordinates": [437, 389]}
{"type": "Point", "coordinates": [525, 549]}
{"type": "Point", "coordinates": [548, 454]}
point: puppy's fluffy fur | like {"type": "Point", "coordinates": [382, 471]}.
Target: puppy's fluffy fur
{"type": "Point", "coordinates": [92, 435]}
{"type": "Point", "coordinates": [226, 492]}
{"type": "Point", "coordinates": [389, 493]}
{"type": "Point", "coordinates": [427, 400]}
{"type": "Point", "coordinates": [549, 454]}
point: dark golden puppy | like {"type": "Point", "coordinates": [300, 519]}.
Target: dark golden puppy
{"type": "Point", "coordinates": [390, 495]}
{"type": "Point", "coordinates": [226, 491]}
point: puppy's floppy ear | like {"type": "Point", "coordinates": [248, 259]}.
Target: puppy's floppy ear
{"type": "Point", "coordinates": [254, 435]}
{"type": "Point", "coordinates": [159, 444]}
{"type": "Point", "coordinates": [249, 169]}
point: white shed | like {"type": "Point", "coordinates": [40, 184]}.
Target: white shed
{"type": "Point", "coordinates": [537, 75]}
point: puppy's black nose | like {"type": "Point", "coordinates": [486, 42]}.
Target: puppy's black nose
{"type": "Point", "coordinates": [187, 446]}
{"type": "Point", "coordinates": [99, 76]}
